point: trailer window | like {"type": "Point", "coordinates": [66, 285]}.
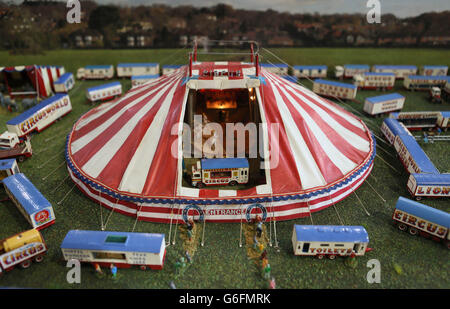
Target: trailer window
{"type": "Point", "coordinates": [324, 245]}
{"type": "Point", "coordinates": [109, 256]}
{"type": "Point", "coordinates": [305, 247]}
{"type": "Point", "coordinates": [226, 174]}
{"type": "Point", "coordinates": [116, 239]}
{"type": "Point", "coordinates": [339, 245]}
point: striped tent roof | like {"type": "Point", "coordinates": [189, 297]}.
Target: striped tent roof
{"type": "Point", "coordinates": [123, 148]}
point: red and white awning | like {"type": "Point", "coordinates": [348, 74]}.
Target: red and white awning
{"type": "Point", "coordinates": [120, 153]}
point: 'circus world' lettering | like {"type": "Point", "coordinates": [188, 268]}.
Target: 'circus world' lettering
{"type": "Point", "coordinates": [44, 113]}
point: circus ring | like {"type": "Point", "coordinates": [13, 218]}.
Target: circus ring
{"type": "Point", "coordinates": [154, 206]}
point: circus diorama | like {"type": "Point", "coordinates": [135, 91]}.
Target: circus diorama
{"type": "Point", "coordinates": [220, 142]}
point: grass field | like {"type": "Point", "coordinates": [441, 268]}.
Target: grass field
{"type": "Point", "coordinates": [406, 261]}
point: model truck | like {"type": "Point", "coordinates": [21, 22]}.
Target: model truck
{"type": "Point", "coordinates": [435, 95]}
{"type": "Point", "coordinates": [12, 147]}
{"type": "Point", "coordinates": [417, 218]}
{"type": "Point", "coordinates": [223, 171]}
{"type": "Point", "coordinates": [22, 249]}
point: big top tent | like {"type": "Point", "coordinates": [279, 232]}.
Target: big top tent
{"type": "Point", "coordinates": [119, 153]}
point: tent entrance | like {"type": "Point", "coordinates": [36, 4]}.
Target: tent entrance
{"type": "Point", "coordinates": [223, 124]}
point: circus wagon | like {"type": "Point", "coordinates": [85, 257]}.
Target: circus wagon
{"type": "Point", "coordinates": [135, 155]}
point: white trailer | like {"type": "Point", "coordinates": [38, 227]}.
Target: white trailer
{"type": "Point", "coordinates": [334, 89]}
{"type": "Point", "coordinates": [418, 82]}
{"type": "Point", "coordinates": [142, 79]}
{"type": "Point", "coordinates": [276, 68]}
{"type": "Point", "coordinates": [168, 69]}
{"type": "Point", "coordinates": [384, 104]}
{"type": "Point", "coordinates": [400, 71]}
{"type": "Point", "coordinates": [40, 116]}
{"type": "Point", "coordinates": [310, 71]}
{"type": "Point", "coordinates": [349, 70]}
{"type": "Point", "coordinates": [443, 120]}
{"type": "Point", "coordinates": [64, 83]}
{"type": "Point", "coordinates": [434, 70]}
{"type": "Point", "coordinates": [104, 92]}
{"type": "Point", "coordinates": [429, 185]}
{"type": "Point", "coordinates": [96, 72]}
{"type": "Point", "coordinates": [134, 69]}
{"type": "Point", "coordinates": [370, 80]}
{"type": "Point", "coordinates": [329, 240]}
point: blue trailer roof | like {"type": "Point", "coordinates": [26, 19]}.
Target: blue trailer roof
{"type": "Point", "coordinates": [144, 76]}
{"type": "Point", "coordinates": [30, 112]}
{"type": "Point", "coordinates": [435, 67]}
{"type": "Point", "coordinates": [6, 164]}
{"type": "Point", "coordinates": [173, 66]}
{"type": "Point", "coordinates": [333, 83]}
{"type": "Point", "coordinates": [130, 65]}
{"type": "Point", "coordinates": [379, 74]}
{"type": "Point", "coordinates": [385, 97]}
{"type": "Point", "coordinates": [331, 233]}
{"type": "Point", "coordinates": [113, 241]}
{"type": "Point", "coordinates": [357, 66]}
{"type": "Point", "coordinates": [274, 65]}
{"type": "Point", "coordinates": [310, 67]}
{"type": "Point", "coordinates": [395, 126]}
{"type": "Point", "coordinates": [432, 179]}
{"type": "Point", "coordinates": [208, 164]}
{"type": "Point", "coordinates": [290, 78]}
{"type": "Point", "coordinates": [26, 193]}
{"type": "Point", "coordinates": [445, 114]}
{"type": "Point", "coordinates": [104, 86]}
{"type": "Point", "coordinates": [93, 67]}
{"type": "Point", "coordinates": [64, 78]}
{"type": "Point", "coordinates": [430, 77]}
{"type": "Point", "coordinates": [395, 67]}
{"type": "Point", "coordinates": [423, 211]}
{"type": "Point", "coordinates": [419, 156]}
{"type": "Point", "coordinates": [394, 115]}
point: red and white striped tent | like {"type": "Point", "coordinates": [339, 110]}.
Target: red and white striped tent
{"type": "Point", "coordinates": [41, 77]}
{"type": "Point", "coordinates": [118, 154]}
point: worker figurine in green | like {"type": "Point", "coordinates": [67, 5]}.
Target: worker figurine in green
{"type": "Point", "coordinates": [190, 225]}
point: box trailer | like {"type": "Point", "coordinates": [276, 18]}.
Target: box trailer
{"type": "Point", "coordinates": [391, 128]}
{"type": "Point", "coordinates": [424, 82]}
{"type": "Point", "coordinates": [400, 71]}
{"type": "Point", "coordinates": [104, 92]}
{"type": "Point", "coordinates": [276, 68]}
{"type": "Point", "coordinates": [384, 104]}
{"type": "Point", "coordinates": [434, 70]}
{"type": "Point", "coordinates": [96, 72]}
{"type": "Point", "coordinates": [310, 71]}
{"type": "Point", "coordinates": [334, 89]}
{"type": "Point", "coordinates": [417, 218]}
{"type": "Point", "coordinates": [169, 69]}
{"type": "Point", "coordinates": [134, 69]}
{"type": "Point", "coordinates": [64, 83]}
{"type": "Point", "coordinates": [40, 116]}
{"type": "Point", "coordinates": [429, 185]}
{"type": "Point", "coordinates": [329, 240]}
{"type": "Point", "coordinates": [142, 79]}
{"type": "Point", "coordinates": [370, 80]}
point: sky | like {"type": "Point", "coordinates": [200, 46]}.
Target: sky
{"type": "Point", "coordinates": [400, 8]}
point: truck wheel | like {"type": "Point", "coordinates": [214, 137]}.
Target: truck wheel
{"type": "Point", "coordinates": [143, 267]}
{"type": "Point", "coordinates": [413, 231]}
{"type": "Point", "coordinates": [418, 198]}
{"type": "Point", "coordinates": [402, 227]}
{"type": "Point", "coordinates": [320, 256]}
{"type": "Point", "coordinates": [21, 159]}
{"type": "Point", "coordinates": [332, 256]}
{"type": "Point", "coordinates": [233, 183]}
{"type": "Point", "coordinates": [25, 264]}
{"type": "Point", "coordinates": [39, 258]}
{"type": "Point", "coordinates": [200, 185]}
{"type": "Point", "coordinates": [448, 244]}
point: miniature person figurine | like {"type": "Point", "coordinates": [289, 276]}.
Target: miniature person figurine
{"type": "Point", "coordinates": [260, 247]}
{"type": "Point", "coordinates": [113, 270]}
{"type": "Point", "coordinates": [183, 263]}
{"type": "Point", "coordinates": [172, 285]}
{"type": "Point", "coordinates": [263, 255]}
{"type": "Point", "coordinates": [264, 263]}
{"type": "Point", "coordinates": [177, 267]}
{"type": "Point", "coordinates": [188, 257]}
{"type": "Point", "coordinates": [267, 270]}
{"type": "Point", "coordinates": [98, 269]}
{"type": "Point", "coordinates": [258, 226]}
{"type": "Point", "coordinates": [272, 284]}
{"type": "Point", "coordinates": [255, 242]}
{"type": "Point", "coordinates": [190, 226]}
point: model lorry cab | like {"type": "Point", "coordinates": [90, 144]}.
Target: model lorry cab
{"type": "Point", "coordinates": [224, 171]}
{"type": "Point", "coordinates": [9, 140]}
{"type": "Point", "coordinates": [339, 71]}
{"type": "Point", "coordinates": [435, 94]}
